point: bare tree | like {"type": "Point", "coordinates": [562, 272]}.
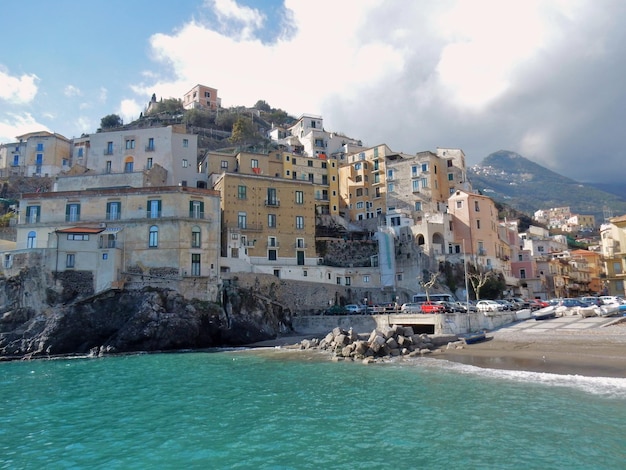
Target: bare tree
{"type": "Point", "coordinates": [478, 280]}
{"type": "Point", "coordinates": [427, 285]}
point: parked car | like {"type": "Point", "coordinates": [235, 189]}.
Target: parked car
{"type": "Point", "coordinates": [449, 307]}
{"type": "Point", "coordinates": [488, 306]}
{"type": "Point", "coordinates": [463, 306]}
{"type": "Point", "coordinates": [411, 307]}
{"type": "Point", "coordinates": [519, 303]}
{"type": "Point", "coordinates": [432, 307]}
{"type": "Point", "coordinates": [335, 310]}
{"type": "Point", "coordinates": [506, 305]}
{"type": "Point", "coordinates": [354, 309]}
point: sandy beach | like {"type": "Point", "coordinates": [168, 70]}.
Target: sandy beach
{"type": "Point", "coordinates": [596, 352]}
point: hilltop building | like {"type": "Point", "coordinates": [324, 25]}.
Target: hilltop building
{"type": "Point", "coordinates": [201, 97]}
{"type": "Point", "coordinates": [39, 153]}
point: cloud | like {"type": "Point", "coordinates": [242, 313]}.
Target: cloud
{"type": "Point", "coordinates": [18, 90]}
{"type": "Point", "coordinates": [12, 125]}
{"type": "Point", "coordinates": [129, 110]}
{"type": "Point", "coordinates": [71, 91]}
{"type": "Point", "coordinates": [542, 78]}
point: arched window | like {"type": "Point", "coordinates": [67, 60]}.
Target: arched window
{"type": "Point", "coordinates": [31, 241]}
{"type": "Point", "coordinates": [153, 240]}
{"type": "Point", "coordinates": [195, 237]}
{"type": "Point", "coordinates": [128, 165]}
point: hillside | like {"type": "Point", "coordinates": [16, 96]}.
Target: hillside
{"type": "Point", "coordinates": [527, 186]}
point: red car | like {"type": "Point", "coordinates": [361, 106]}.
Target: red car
{"type": "Point", "coordinates": [536, 304]}
{"type": "Point", "coordinates": [432, 307]}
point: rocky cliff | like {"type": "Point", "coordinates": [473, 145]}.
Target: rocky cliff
{"type": "Point", "coordinates": [128, 321]}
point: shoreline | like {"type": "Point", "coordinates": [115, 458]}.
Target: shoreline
{"type": "Point", "coordinates": [598, 352]}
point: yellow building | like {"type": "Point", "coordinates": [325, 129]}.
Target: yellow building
{"type": "Point", "coordinates": [266, 221]}
{"type": "Point", "coordinates": [38, 154]}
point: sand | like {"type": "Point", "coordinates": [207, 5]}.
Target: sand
{"type": "Point", "coordinates": [597, 352]}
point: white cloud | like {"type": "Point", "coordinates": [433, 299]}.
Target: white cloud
{"type": "Point", "coordinates": [103, 95]}
{"type": "Point", "coordinates": [18, 90]}
{"type": "Point", "coordinates": [12, 125]}
{"type": "Point", "coordinates": [71, 90]}
{"type": "Point", "coordinates": [129, 110]}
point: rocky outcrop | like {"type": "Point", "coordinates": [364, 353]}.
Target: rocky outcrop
{"type": "Point", "coordinates": [386, 342]}
{"type": "Point", "coordinates": [132, 321]}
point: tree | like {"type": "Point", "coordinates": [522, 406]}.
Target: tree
{"type": "Point", "coordinates": [110, 121]}
{"type": "Point", "coordinates": [427, 285]}
{"type": "Point", "coordinates": [243, 131]}
{"type": "Point", "coordinates": [169, 106]}
{"type": "Point", "coordinates": [479, 279]}
{"type": "Point", "coordinates": [262, 105]}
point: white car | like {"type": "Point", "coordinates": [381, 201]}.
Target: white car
{"type": "Point", "coordinates": [489, 306]}
{"type": "Point", "coordinates": [411, 307]}
{"type": "Point", "coordinates": [352, 309]}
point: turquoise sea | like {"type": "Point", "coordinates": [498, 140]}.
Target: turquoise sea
{"type": "Point", "coordinates": [280, 409]}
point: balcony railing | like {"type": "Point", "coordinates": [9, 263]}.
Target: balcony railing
{"type": "Point", "coordinates": [251, 228]}
{"type": "Point", "coordinates": [196, 215]}
{"type": "Point", "coordinates": [272, 202]}
{"type": "Point", "coordinates": [149, 148]}
{"type": "Point", "coordinates": [274, 244]}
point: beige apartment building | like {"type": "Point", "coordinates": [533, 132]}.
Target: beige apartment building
{"type": "Point", "coordinates": [40, 153]}
{"type": "Point", "coordinates": [201, 96]}
{"type": "Point", "coordinates": [124, 152]}
{"type": "Point", "coordinates": [613, 239]}
{"type": "Point", "coordinates": [151, 235]}
{"type": "Point", "coordinates": [266, 221]}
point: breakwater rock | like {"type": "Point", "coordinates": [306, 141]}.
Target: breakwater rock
{"type": "Point", "coordinates": [132, 321]}
{"type": "Point", "coordinates": [382, 342]}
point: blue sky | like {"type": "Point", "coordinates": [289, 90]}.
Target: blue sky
{"type": "Point", "coordinates": [539, 77]}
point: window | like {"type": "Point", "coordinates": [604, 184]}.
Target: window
{"type": "Point", "coordinates": [70, 260]}
{"type": "Point", "coordinates": [324, 179]}
{"type": "Point", "coordinates": [185, 163]}
{"type": "Point", "coordinates": [416, 186]}
{"type": "Point", "coordinates": [418, 205]}
{"type": "Point", "coordinates": [254, 163]}
{"type": "Point", "coordinates": [241, 220]}
{"type": "Point", "coordinates": [424, 182]}
{"type": "Point", "coordinates": [109, 150]}
{"type": "Point", "coordinates": [414, 171]}
{"type": "Point", "coordinates": [241, 192]}
{"type": "Point", "coordinates": [476, 207]}
{"type": "Point", "coordinates": [154, 209]}
{"type": "Point", "coordinates": [272, 200]}
{"type": "Point", "coordinates": [153, 237]}
{"type": "Point", "coordinates": [520, 257]}
{"type": "Point", "coordinates": [357, 166]}
{"type": "Point", "coordinates": [78, 236]}
{"type": "Point", "coordinates": [271, 255]}
{"type": "Point", "coordinates": [271, 241]}
{"type": "Point", "coordinates": [299, 222]}
{"type": "Point", "coordinates": [149, 163]}
{"type": "Point", "coordinates": [366, 279]}
{"type": "Point", "coordinates": [299, 197]}
{"type": "Point", "coordinates": [478, 223]}
{"type": "Point", "coordinates": [338, 280]}
{"type": "Point", "coordinates": [424, 166]}
{"type": "Point", "coordinates": [359, 205]}
{"type": "Point", "coordinates": [39, 159]}
{"type": "Point", "coordinates": [185, 143]}
{"type": "Point", "coordinates": [391, 187]}
{"type": "Point", "coordinates": [32, 214]}
{"type": "Point", "coordinates": [108, 166]}
{"type": "Point", "coordinates": [40, 147]}
{"type": "Point", "coordinates": [311, 177]}
{"type": "Point", "coordinates": [130, 144]}
{"type": "Point", "coordinates": [72, 212]}
{"type": "Point", "coordinates": [195, 264]}
{"type": "Point", "coordinates": [271, 220]}
{"type": "Point", "coordinates": [324, 164]}
{"type": "Point", "coordinates": [359, 192]}
{"type": "Point", "coordinates": [114, 210]}
{"type": "Point", "coordinates": [309, 163]}
{"type": "Point", "coordinates": [293, 161]}
{"type": "Point", "coordinates": [358, 179]}
{"type": "Point", "coordinates": [450, 176]}
{"type": "Point", "coordinates": [16, 160]}
{"type": "Point", "coordinates": [31, 240]}
{"type": "Point", "coordinates": [128, 166]}
{"type": "Point", "coordinates": [150, 146]}
{"type": "Point", "coordinates": [522, 274]}
{"type": "Point", "coordinates": [224, 164]}
{"type": "Point", "coordinates": [196, 209]}
{"type": "Point", "coordinates": [299, 242]}
{"type": "Point", "coordinates": [459, 204]}
{"type": "Point", "coordinates": [390, 174]}
{"type": "Point", "coordinates": [398, 277]}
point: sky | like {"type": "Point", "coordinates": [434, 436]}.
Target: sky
{"type": "Point", "coordinates": [543, 78]}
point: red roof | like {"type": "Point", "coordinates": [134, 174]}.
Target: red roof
{"type": "Point", "coordinates": [81, 230]}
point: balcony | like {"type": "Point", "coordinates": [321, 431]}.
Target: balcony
{"type": "Point", "coordinates": [274, 244]}
{"type": "Point", "coordinates": [149, 148]}
{"type": "Point", "coordinates": [196, 215]}
{"type": "Point", "coordinates": [272, 202]}
{"type": "Point", "coordinates": [108, 152]}
{"type": "Point", "coordinates": [251, 228]}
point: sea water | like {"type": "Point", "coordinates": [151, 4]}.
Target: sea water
{"type": "Point", "coordinates": [280, 409]}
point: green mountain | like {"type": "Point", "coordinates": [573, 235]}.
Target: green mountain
{"type": "Point", "coordinates": [509, 178]}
